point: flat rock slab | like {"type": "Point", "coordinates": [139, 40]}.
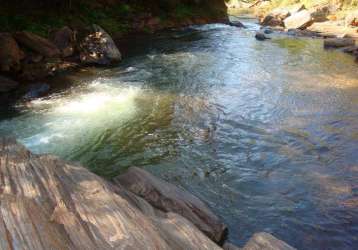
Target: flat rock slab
{"type": "Point", "coordinates": [299, 20]}
{"type": "Point", "coordinates": [169, 198]}
{"type": "Point", "coordinates": [266, 241]}
{"type": "Point", "coordinates": [46, 203]}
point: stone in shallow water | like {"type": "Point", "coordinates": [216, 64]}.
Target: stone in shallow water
{"type": "Point", "coordinates": [169, 198]}
{"type": "Point", "coordinates": [338, 42]}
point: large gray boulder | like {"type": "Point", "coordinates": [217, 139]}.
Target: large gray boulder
{"type": "Point", "coordinates": [169, 198]}
{"type": "Point", "coordinates": [10, 53]}
{"type": "Point", "coordinates": [46, 203]}
{"type": "Point", "coordinates": [37, 44]}
{"type": "Point", "coordinates": [97, 47]}
{"type": "Point", "coordinates": [299, 20]}
{"type": "Point", "coordinates": [7, 84]}
{"type": "Point", "coordinates": [266, 241]}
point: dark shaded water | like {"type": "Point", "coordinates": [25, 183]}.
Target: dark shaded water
{"type": "Point", "coordinates": [265, 132]}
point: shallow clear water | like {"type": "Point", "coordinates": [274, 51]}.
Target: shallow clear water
{"type": "Point", "coordinates": [265, 132]}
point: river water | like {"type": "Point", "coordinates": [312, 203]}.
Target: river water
{"type": "Point", "coordinates": [265, 132]}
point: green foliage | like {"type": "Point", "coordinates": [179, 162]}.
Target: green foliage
{"type": "Point", "coordinates": [40, 25]}
{"type": "Point", "coordinates": [183, 11]}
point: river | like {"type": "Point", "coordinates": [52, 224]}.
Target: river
{"type": "Point", "coordinates": [265, 132]}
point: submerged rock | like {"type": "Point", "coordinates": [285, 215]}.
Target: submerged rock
{"type": "Point", "coordinates": [47, 203]}
{"type": "Point", "coordinates": [266, 241]}
{"type": "Point", "coordinates": [299, 20]}
{"type": "Point", "coordinates": [237, 24]}
{"type": "Point", "coordinates": [338, 42]}
{"type": "Point", "coordinates": [97, 47]}
{"type": "Point", "coordinates": [37, 90]}
{"type": "Point", "coordinates": [169, 198]}
{"type": "Point", "coordinates": [7, 84]}
{"type": "Point", "coordinates": [10, 53]}
{"type": "Point", "coordinates": [37, 44]}
{"type": "Point", "coordinates": [260, 36]}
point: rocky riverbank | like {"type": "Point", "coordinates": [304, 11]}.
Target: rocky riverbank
{"type": "Point", "coordinates": [47, 203]}
{"type": "Point", "coordinates": [330, 21]}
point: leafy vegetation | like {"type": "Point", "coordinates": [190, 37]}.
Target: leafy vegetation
{"type": "Point", "coordinates": [40, 16]}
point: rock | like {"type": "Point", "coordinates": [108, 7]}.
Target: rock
{"type": "Point", "coordinates": [37, 44]}
{"type": "Point", "coordinates": [265, 241]}
{"type": "Point", "coordinates": [97, 47]}
{"type": "Point", "coordinates": [237, 24]}
{"type": "Point", "coordinates": [260, 36]}
{"type": "Point", "coordinates": [299, 20]}
{"type": "Point", "coordinates": [320, 13]}
{"type": "Point", "coordinates": [64, 39]}
{"type": "Point", "coordinates": [351, 50]}
{"type": "Point", "coordinates": [49, 67]}
{"type": "Point", "coordinates": [169, 198]}
{"type": "Point", "coordinates": [271, 20]}
{"type": "Point", "coordinates": [277, 16]}
{"type": "Point", "coordinates": [305, 33]}
{"type": "Point", "coordinates": [7, 84]}
{"type": "Point", "coordinates": [352, 19]}
{"type": "Point", "coordinates": [229, 246]}
{"type": "Point", "coordinates": [267, 30]}
{"type": "Point", "coordinates": [338, 42]}
{"type": "Point", "coordinates": [10, 53]}
{"type": "Point", "coordinates": [47, 203]}
{"type": "Point", "coordinates": [37, 90]}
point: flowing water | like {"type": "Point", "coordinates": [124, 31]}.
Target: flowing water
{"type": "Point", "coordinates": [265, 132]}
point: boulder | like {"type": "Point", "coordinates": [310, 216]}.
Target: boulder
{"type": "Point", "coordinates": [299, 20]}
{"type": "Point", "coordinates": [169, 198]}
{"type": "Point", "coordinates": [37, 44]}
{"type": "Point", "coordinates": [47, 203]}
{"type": "Point", "coordinates": [277, 16]}
{"type": "Point", "coordinates": [7, 84]}
{"type": "Point", "coordinates": [10, 53]}
{"type": "Point", "coordinates": [237, 24]}
{"type": "Point", "coordinates": [351, 50]}
{"type": "Point", "coordinates": [64, 39]}
{"type": "Point", "coordinates": [338, 42]}
{"type": "Point", "coordinates": [260, 36]}
{"type": "Point", "coordinates": [320, 13]}
{"type": "Point", "coordinates": [352, 19]}
{"type": "Point", "coordinates": [97, 47]}
{"type": "Point", "coordinates": [265, 241]}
